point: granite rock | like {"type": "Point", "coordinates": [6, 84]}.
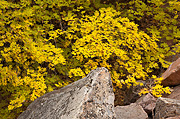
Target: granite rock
{"type": "Point", "coordinates": [89, 98]}
{"type": "Point", "coordinates": [166, 107]}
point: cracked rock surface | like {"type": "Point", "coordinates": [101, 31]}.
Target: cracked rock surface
{"type": "Point", "coordinates": [89, 98]}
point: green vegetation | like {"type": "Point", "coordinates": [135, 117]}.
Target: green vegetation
{"type": "Point", "coordinates": [48, 44]}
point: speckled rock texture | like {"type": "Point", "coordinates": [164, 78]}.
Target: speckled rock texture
{"type": "Point", "coordinates": [166, 108]}
{"type": "Point", "coordinates": [89, 98]}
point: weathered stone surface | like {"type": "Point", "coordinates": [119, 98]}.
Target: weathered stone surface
{"type": "Point", "coordinates": [175, 93]}
{"type": "Point", "coordinates": [132, 111]}
{"type": "Point", "coordinates": [176, 117]}
{"type": "Point", "coordinates": [148, 103]}
{"type": "Point", "coordinates": [89, 98]}
{"type": "Point", "coordinates": [166, 107]}
{"type": "Point", "coordinates": [172, 74]}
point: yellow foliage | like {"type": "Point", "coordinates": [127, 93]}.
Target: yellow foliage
{"type": "Point", "coordinates": [144, 91]}
{"type": "Point", "coordinates": [76, 72]}
{"type": "Point", "coordinates": [26, 53]}
{"type": "Point", "coordinates": [156, 20]}
{"type": "Point", "coordinates": [157, 89]}
{"type": "Point", "coordinates": [62, 84]}
{"type": "Point", "coordinates": [115, 77]}
{"type": "Point", "coordinates": [42, 44]}
{"type": "Point", "coordinates": [106, 37]}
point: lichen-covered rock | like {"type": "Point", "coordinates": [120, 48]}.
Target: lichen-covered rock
{"type": "Point", "coordinates": [89, 98]}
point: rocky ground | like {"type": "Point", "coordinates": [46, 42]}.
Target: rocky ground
{"type": "Point", "coordinates": [93, 98]}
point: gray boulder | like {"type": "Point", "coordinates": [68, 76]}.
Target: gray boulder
{"type": "Point", "coordinates": [89, 98]}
